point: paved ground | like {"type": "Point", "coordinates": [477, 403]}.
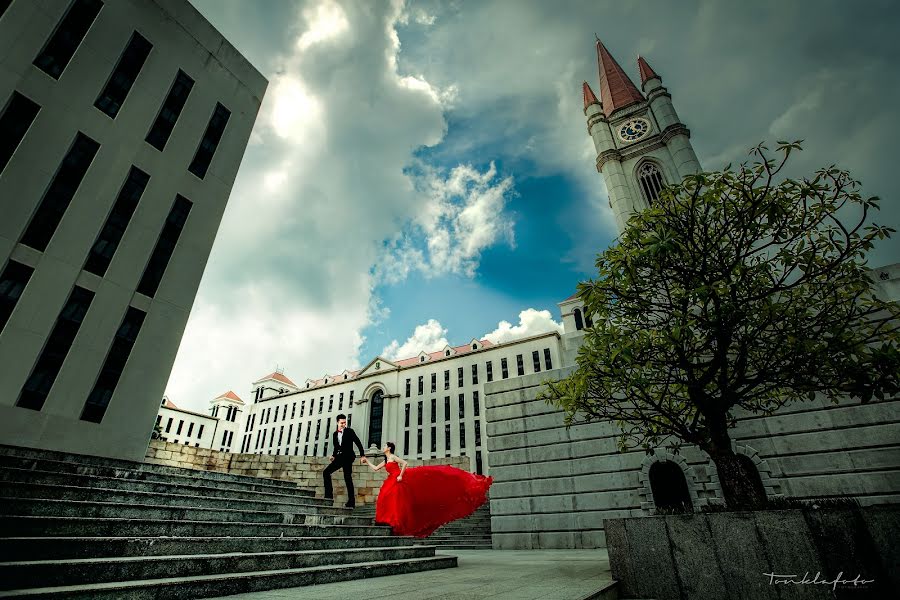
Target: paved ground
{"type": "Point", "coordinates": [494, 574]}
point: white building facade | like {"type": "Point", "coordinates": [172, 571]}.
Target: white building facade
{"type": "Point", "coordinates": [122, 127]}
{"type": "Point", "coordinates": [190, 428]}
{"type": "Point", "coordinates": [430, 405]}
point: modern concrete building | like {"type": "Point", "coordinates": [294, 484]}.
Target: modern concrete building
{"type": "Point", "coordinates": [122, 127]}
{"type": "Point", "coordinates": [430, 405]}
{"type": "Point", "coordinates": [554, 486]}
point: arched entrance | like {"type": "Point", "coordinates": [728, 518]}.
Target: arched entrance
{"type": "Point", "coordinates": [669, 487]}
{"type": "Point", "coordinates": [376, 414]}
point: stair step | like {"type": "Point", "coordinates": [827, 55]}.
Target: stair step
{"type": "Point", "coordinates": [206, 586]}
{"type": "Point", "coordinates": [56, 573]}
{"type": "Point", "coordinates": [38, 491]}
{"type": "Point", "coordinates": [48, 548]}
{"type": "Point", "coordinates": [90, 482]}
{"type": "Point", "coordinates": [156, 473]}
{"type": "Point", "coordinates": [31, 526]}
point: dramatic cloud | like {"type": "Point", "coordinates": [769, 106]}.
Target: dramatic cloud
{"type": "Point", "coordinates": [531, 322]}
{"type": "Point", "coordinates": [429, 337]}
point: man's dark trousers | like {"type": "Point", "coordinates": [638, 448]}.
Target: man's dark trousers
{"type": "Point", "coordinates": [342, 461]}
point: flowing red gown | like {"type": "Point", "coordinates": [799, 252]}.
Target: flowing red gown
{"type": "Point", "coordinates": [428, 497]}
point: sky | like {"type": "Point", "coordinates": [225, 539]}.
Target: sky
{"type": "Point", "coordinates": [420, 172]}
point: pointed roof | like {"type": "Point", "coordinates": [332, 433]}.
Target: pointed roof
{"type": "Point", "coordinates": [229, 395]}
{"type": "Point", "coordinates": [616, 89]}
{"type": "Point", "coordinates": [168, 403]}
{"type": "Point", "coordinates": [646, 70]}
{"type": "Point", "coordinates": [277, 377]}
{"type": "Point", "coordinates": [589, 96]}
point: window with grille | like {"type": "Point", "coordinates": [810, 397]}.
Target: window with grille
{"type": "Point", "coordinates": [651, 182]}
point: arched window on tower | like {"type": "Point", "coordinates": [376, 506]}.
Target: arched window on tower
{"type": "Point", "coordinates": [579, 324]}
{"type": "Point", "coordinates": [669, 487]}
{"type": "Point", "coordinates": [588, 322]}
{"type": "Point", "coordinates": [751, 473]}
{"type": "Point", "coordinates": [651, 181]}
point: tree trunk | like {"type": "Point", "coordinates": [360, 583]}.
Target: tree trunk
{"type": "Point", "coordinates": [741, 485]}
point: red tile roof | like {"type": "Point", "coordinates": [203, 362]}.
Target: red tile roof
{"type": "Point", "coordinates": [616, 89]}
{"type": "Point", "coordinates": [277, 377]}
{"type": "Point", "coordinates": [168, 403]}
{"type": "Point", "coordinates": [589, 97]}
{"type": "Point", "coordinates": [231, 396]}
{"type": "Point", "coordinates": [408, 362]}
{"type": "Point", "coordinates": [646, 70]}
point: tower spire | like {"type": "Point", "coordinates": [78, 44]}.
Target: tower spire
{"type": "Point", "coordinates": [589, 96]}
{"type": "Point", "coordinates": [616, 89]}
{"type": "Point", "coordinates": [646, 70]}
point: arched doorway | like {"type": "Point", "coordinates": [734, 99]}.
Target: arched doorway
{"type": "Point", "coordinates": [751, 473]}
{"type": "Point", "coordinates": [669, 487]}
{"type": "Point", "coordinates": [376, 413]}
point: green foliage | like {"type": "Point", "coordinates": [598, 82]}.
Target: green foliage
{"type": "Point", "coordinates": [738, 289]}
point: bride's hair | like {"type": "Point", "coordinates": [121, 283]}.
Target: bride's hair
{"type": "Point", "coordinates": [391, 446]}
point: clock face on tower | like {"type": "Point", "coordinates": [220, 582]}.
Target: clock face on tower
{"type": "Point", "coordinates": [633, 129]}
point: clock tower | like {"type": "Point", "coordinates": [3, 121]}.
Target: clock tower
{"type": "Point", "coordinates": [641, 143]}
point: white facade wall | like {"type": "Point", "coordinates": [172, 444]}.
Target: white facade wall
{"type": "Point", "coordinates": [189, 428]}
{"type": "Point", "coordinates": [301, 423]}
{"type": "Point", "coordinates": [181, 40]}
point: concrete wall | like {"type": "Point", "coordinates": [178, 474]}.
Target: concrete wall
{"type": "Point", "coordinates": [727, 555]}
{"type": "Point", "coordinates": [306, 471]}
{"type": "Point", "coordinates": [554, 487]}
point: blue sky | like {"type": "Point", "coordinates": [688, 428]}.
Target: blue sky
{"type": "Point", "coordinates": [420, 172]}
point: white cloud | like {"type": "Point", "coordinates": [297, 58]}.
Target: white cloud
{"type": "Point", "coordinates": [326, 20]}
{"type": "Point", "coordinates": [429, 337]}
{"type": "Point", "coordinates": [531, 322]}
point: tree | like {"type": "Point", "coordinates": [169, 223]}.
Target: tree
{"type": "Point", "coordinates": [738, 289]}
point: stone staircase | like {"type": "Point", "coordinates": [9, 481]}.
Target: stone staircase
{"type": "Point", "coordinates": [470, 533]}
{"type": "Point", "coordinates": [74, 526]}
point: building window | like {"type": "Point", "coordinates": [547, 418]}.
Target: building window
{"type": "Point", "coordinates": [130, 64]}
{"type": "Point", "coordinates": [446, 437]}
{"type": "Point", "coordinates": [462, 406]}
{"type": "Point", "coordinates": [406, 442]}
{"type": "Point", "coordinates": [341, 401]}
{"type": "Point", "coordinates": [433, 439]}
{"type": "Point", "coordinates": [490, 370]}
{"type": "Point", "coordinates": [446, 408]}
{"type": "Point", "coordinates": [433, 382]}
{"type": "Point", "coordinates": [321, 405]}
{"type": "Point", "coordinates": [476, 405]}
{"type": "Point", "coordinates": [318, 428]}
{"type": "Point", "coordinates": [61, 46]}
{"type": "Point", "coordinates": [462, 435]}
{"type": "Point", "coordinates": [548, 364]}
{"type": "Point", "coordinates": [180, 425]}
{"type": "Point", "coordinates": [536, 361]}
{"type": "Point", "coordinates": [478, 464]}
{"type": "Point", "coordinates": [419, 442]}
{"type": "Point", "coordinates": [447, 380]}
{"type": "Point", "coordinates": [408, 386]}
{"type": "Point", "coordinates": [446, 353]}
{"type": "Point", "coordinates": [504, 368]}
{"type": "Point", "coordinates": [165, 246]}
{"type": "Point", "coordinates": [331, 403]}
{"type": "Point", "coordinates": [158, 419]}
{"type": "Point", "coordinates": [477, 432]}
{"type": "Point", "coordinates": [17, 118]}
{"type": "Point", "coordinates": [579, 324]}
{"type": "Point", "coordinates": [588, 322]}
{"type": "Point", "coordinates": [111, 371]}
{"type": "Point", "coordinates": [520, 365]}
{"type": "Point", "coordinates": [406, 416]}
{"type": "Point", "coordinates": [190, 429]}
{"type": "Point", "coordinates": [280, 435]}
{"type": "Point", "coordinates": [474, 346]}
{"type": "Point", "coordinates": [376, 419]}
{"type": "Point", "coordinates": [290, 432]}
{"type": "Point", "coordinates": [349, 419]}
{"type": "Point", "coordinates": [350, 401]}
{"type": "Point", "coordinates": [169, 425]}
{"type": "Point", "coordinates": [651, 182]}
{"type": "Point", "coordinates": [210, 141]}
{"type": "Point", "coordinates": [200, 432]}
{"type": "Point", "coordinates": [299, 427]}
{"type": "Point", "coordinates": [475, 374]}
{"type": "Point", "coordinates": [302, 408]}
{"type": "Point", "coordinates": [419, 415]}
{"type": "Point", "coordinates": [294, 409]}
{"type": "Point", "coordinates": [421, 384]}
{"type": "Point", "coordinates": [60, 193]}
{"type": "Point", "coordinates": [459, 377]}
{"type": "Point", "coordinates": [308, 429]}
{"type": "Point", "coordinates": [12, 283]}
{"type": "Point", "coordinates": [669, 486]}
{"type": "Point", "coordinates": [37, 387]}
{"type": "Point", "coordinates": [433, 410]}
{"type": "Point", "coordinates": [276, 413]}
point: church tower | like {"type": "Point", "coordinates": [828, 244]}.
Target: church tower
{"type": "Point", "coordinates": [641, 143]}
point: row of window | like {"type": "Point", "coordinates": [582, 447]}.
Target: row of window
{"type": "Point", "coordinates": [476, 405]}
{"type": "Point", "coordinates": [489, 369]}
{"type": "Point", "coordinates": [21, 111]}
{"type": "Point", "coordinates": [190, 429]}
{"type": "Point", "coordinates": [447, 440]}
{"type": "Point", "coordinates": [51, 359]}
{"type": "Point", "coordinates": [260, 442]}
{"type": "Point", "coordinates": [581, 323]}
{"type": "Point", "coordinates": [230, 414]}
{"type": "Point", "coordinates": [267, 413]}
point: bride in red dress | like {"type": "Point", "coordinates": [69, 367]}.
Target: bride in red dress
{"type": "Point", "coordinates": [418, 500]}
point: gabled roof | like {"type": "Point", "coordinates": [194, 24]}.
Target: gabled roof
{"type": "Point", "coordinates": [277, 377]}
{"type": "Point", "coordinates": [168, 403]}
{"type": "Point", "coordinates": [229, 395]}
{"type": "Point", "coordinates": [457, 350]}
{"type": "Point", "coordinates": [616, 89]}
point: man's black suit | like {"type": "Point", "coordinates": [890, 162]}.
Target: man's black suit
{"type": "Point", "coordinates": [343, 456]}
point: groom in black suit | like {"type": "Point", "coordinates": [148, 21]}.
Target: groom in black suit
{"type": "Point", "coordinates": [343, 456]}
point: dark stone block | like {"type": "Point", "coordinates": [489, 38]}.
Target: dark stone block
{"type": "Point", "coordinates": [698, 567]}
{"type": "Point", "coordinates": [787, 543]}
{"type": "Point", "coordinates": [742, 558]}
{"type": "Point", "coordinates": [883, 526]}
{"type": "Point", "coordinates": [620, 552]}
{"type": "Point", "coordinates": [651, 559]}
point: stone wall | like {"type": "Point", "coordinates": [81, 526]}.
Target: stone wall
{"type": "Point", "coordinates": [305, 470]}
{"type": "Point", "coordinates": [727, 555]}
{"type": "Point", "coordinates": [554, 487]}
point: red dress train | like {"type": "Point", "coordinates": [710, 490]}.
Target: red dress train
{"type": "Point", "coordinates": [428, 497]}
